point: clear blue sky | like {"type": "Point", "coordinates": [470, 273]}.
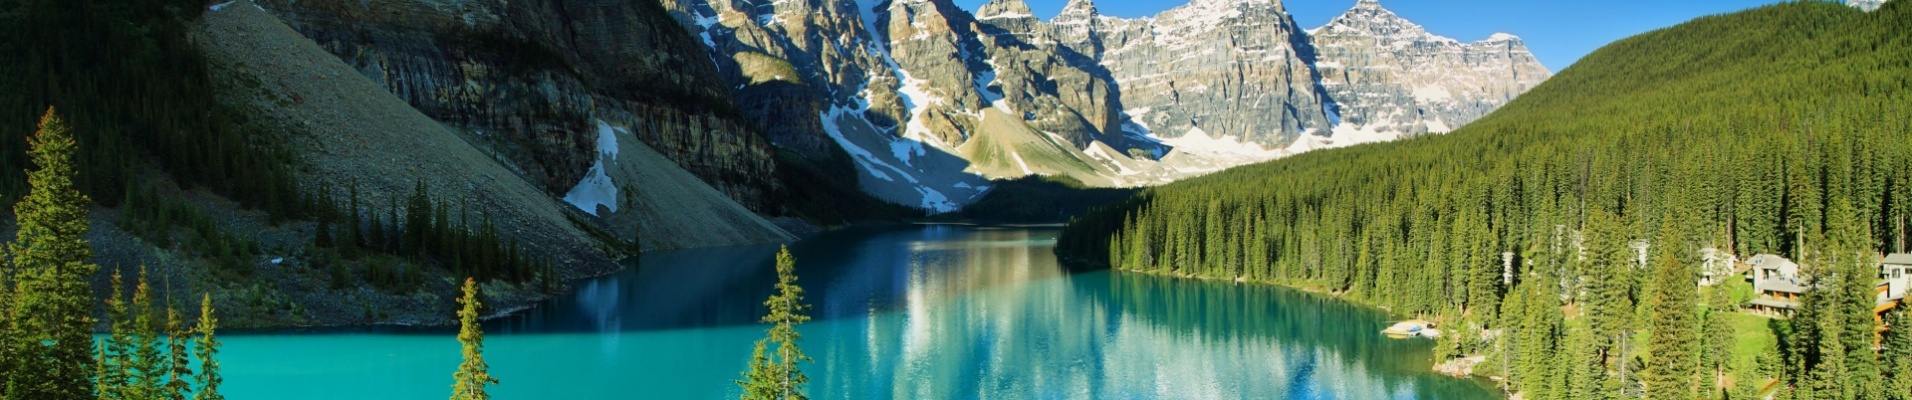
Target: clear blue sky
{"type": "Point", "coordinates": [1558, 32]}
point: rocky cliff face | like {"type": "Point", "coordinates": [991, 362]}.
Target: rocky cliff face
{"type": "Point", "coordinates": [929, 99]}
{"type": "Point", "coordinates": [1056, 88]}
{"type": "Point", "coordinates": [1388, 78]}
{"type": "Point", "coordinates": [530, 80]}
{"type": "Point", "coordinates": [1220, 67]}
{"type": "Point", "coordinates": [903, 86]}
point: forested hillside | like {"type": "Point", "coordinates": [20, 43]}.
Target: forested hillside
{"type": "Point", "coordinates": [1782, 129]}
{"type": "Point", "coordinates": [155, 144]}
{"type": "Point", "coordinates": [130, 81]}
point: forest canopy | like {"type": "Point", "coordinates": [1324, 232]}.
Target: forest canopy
{"type": "Point", "coordinates": [1782, 129]}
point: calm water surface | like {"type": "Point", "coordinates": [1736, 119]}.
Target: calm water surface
{"type": "Point", "coordinates": [937, 312]}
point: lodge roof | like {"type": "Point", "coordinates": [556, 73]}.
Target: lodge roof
{"type": "Point", "coordinates": [1781, 285]}
{"type": "Point", "coordinates": [1899, 259]}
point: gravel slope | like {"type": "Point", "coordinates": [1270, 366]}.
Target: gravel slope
{"type": "Point", "coordinates": [346, 128]}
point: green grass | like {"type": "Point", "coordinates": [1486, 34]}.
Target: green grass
{"type": "Point", "coordinates": [1751, 336]}
{"type": "Point", "coordinates": [1751, 333]}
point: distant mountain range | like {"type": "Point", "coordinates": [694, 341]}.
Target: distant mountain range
{"type": "Point", "coordinates": [1868, 5]}
{"type": "Point", "coordinates": [929, 100]}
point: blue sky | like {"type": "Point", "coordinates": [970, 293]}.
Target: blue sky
{"type": "Point", "coordinates": [1558, 32]}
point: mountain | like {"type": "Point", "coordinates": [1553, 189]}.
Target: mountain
{"type": "Point", "coordinates": [1868, 5]}
{"type": "Point", "coordinates": [1424, 83]}
{"type": "Point", "coordinates": [351, 130]}
{"type": "Point", "coordinates": [1222, 68]}
{"type": "Point", "coordinates": [533, 83]}
{"type": "Point", "coordinates": [931, 102]}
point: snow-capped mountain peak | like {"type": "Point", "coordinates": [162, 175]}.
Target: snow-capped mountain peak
{"type": "Point", "coordinates": [998, 9]}
{"type": "Point", "coordinates": [1077, 10]}
{"type": "Point", "coordinates": [1389, 77]}
{"type": "Point", "coordinates": [1369, 18]}
{"type": "Point", "coordinates": [930, 101]}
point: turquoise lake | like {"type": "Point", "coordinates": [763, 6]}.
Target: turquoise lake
{"type": "Point", "coordinates": [928, 312]}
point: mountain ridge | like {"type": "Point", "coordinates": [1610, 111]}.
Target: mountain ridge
{"type": "Point", "coordinates": [1203, 86]}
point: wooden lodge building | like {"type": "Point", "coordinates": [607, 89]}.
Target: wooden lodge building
{"type": "Point", "coordinates": [1778, 284]}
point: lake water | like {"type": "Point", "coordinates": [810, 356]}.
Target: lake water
{"type": "Point", "coordinates": [935, 312]}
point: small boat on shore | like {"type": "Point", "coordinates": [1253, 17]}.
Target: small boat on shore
{"type": "Point", "coordinates": [1412, 328]}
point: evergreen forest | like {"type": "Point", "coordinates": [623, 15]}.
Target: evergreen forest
{"type": "Point", "coordinates": [1777, 130]}
{"type": "Point", "coordinates": [152, 136]}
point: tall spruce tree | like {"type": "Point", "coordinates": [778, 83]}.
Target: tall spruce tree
{"type": "Point", "coordinates": [206, 348]}
{"type": "Point", "coordinates": [1673, 340]}
{"type": "Point", "coordinates": [112, 379]}
{"type": "Point", "coordinates": [418, 220]}
{"type": "Point", "coordinates": [178, 358]}
{"type": "Point", "coordinates": [148, 360]}
{"type": "Point", "coordinates": [1852, 256]}
{"type": "Point", "coordinates": [473, 374]}
{"type": "Point", "coordinates": [1717, 337]}
{"type": "Point", "coordinates": [760, 374]}
{"type": "Point", "coordinates": [1898, 355]}
{"type": "Point", "coordinates": [51, 257]}
{"type": "Point", "coordinates": [9, 342]}
{"type": "Point", "coordinates": [1609, 304]}
{"type": "Point", "coordinates": [1536, 334]}
{"type": "Point", "coordinates": [780, 378]}
{"type": "Point", "coordinates": [1585, 373]}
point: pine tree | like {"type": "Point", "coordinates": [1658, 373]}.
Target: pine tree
{"type": "Point", "coordinates": [1850, 254]}
{"type": "Point", "coordinates": [112, 379]}
{"type": "Point", "coordinates": [1484, 275]}
{"type": "Point", "coordinates": [322, 235]}
{"type": "Point", "coordinates": [1673, 341]}
{"type": "Point", "coordinates": [1536, 334]}
{"type": "Point", "coordinates": [1898, 355]}
{"type": "Point", "coordinates": [1824, 379]}
{"type": "Point", "coordinates": [149, 363]}
{"type": "Point", "coordinates": [759, 381]}
{"type": "Point", "coordinates": [207, 350]}
{"type": "Point", "coordinates": [1585, 372]}
{"type": "Point", "coordinates": [473, 375]}
{"type": "Point", "coordinates": [1717, 336]}
{"type": "Point", "coordinates": [9, 344]}
{"type": "Point", "coordinates": [1610, 304]}
{"type": "Point", "coordinates": [780, 379]}
{"type": "Point", "coordinates": [178, 359]}
{"type": "Point", "coordinates": [418, 219]}
{"type": "Point", "coordinates": [51, 257]}
{"type": "Point", "coordinates": [354, 233]}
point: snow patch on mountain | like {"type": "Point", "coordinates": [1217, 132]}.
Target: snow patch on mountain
{"type": "Point", "coordinates": [1197, 141]}
{"type": "Point", "coordinates": [863, 158]}
{"type": "Point", "coordinates": [910, 173]}
{"type": "Point", "coordinates": [1432, 93]}
{"type": "Point", "coordinates": [1376, 77]}
{"type": "Point", "coordinates": [597, 189]}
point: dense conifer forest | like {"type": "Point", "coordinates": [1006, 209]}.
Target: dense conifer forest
{"type": "Point", "coordinates": [134, 88]}
{"type": "Point", "coordinates": [1785, 129]}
